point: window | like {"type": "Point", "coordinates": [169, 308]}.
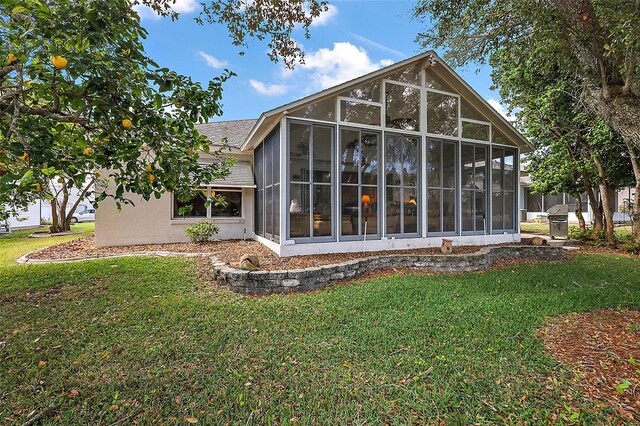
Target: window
{"type": "Point", "coordinates": [441, 186]}
{"type": "Point", "coordinates": [366, 92]}
{"type": "Point", "coordinates": [359, 165]}
{"type": "Point", "coordinates": [477, 131]}
{"type": "Point", "coordinates": [310, 178]}
{"type": "Point", "coordinates": [402, 107]}
{"type": "Point", "coordinates": [322, 110]}
{"type": "Point", "coordinates": [358, 112]}
{"type": "Point", "coordinates": [503, 176]}
{"type": "Point", "coordinates": [442, 114]}
{"type": "Point", "coordinates": [196, 207]}
{"type": "Point", "coordinates": [233, 199]}
{"type": "Point", "coordinates": [193, 207]}
{"type": "Point", "coordinates": [267, 193]}
{"type": "Point", "coordinates": [434, 81]}
{"type": "Point", "coordinates": [409, 75]}
{"type": "Point", "coordinates": [474, 188]}
{"type": "Point", "coordinates": [401, 180]}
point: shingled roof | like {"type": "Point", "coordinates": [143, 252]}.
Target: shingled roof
{"type": "Point", "coordinates": [236, 131]}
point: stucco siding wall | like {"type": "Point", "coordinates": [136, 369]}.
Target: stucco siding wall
{"type": "Point", "coordinates": [150, 222]}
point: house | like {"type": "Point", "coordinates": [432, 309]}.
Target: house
{"type": "Point", "coordinates": [395, 159]}
{"type": "Point", "coordinates": [534, 206]}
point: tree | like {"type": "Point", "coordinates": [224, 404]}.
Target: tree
{"type": "Point", "coordinates": [78, 94]}
{"type": "Point", "coordinates": [597, 40]}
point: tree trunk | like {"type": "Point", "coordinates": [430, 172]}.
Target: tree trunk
{"type": "Point", "coordinates": [581, 223]}
{"type": "Point", "coordinates": [593, 202]}
{"type": "Point", "coordinates": [607, 195]}
{"type": "Point", "coordinates": [60, 222]}
{"type": "Point", "coordinates": [635, 212]}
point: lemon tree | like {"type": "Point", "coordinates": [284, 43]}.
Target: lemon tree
{"type": "Point", "coordinates": [79, 94]}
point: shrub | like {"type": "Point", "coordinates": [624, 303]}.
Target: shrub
{"type": "Point", "coordinates": [633, 248]}
{"type": "Point", "coordinates": [201, 231]}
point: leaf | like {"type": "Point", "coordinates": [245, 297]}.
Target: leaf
{"type": "Point", "coordinates": [73, 393]}
{"type": "Point", "coordinates": [191, 420]}
{"type": "Point", "coordinates": [42, 363]}
{"type": "Point", "coordinates": [623, 386]}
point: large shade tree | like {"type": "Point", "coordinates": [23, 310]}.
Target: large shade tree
{"type": "Point", "coordinates": [79, 94]}
{"type": "Point", "coordinates": [597, 40]}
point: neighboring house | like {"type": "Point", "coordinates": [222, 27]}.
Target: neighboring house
{"type": "Point", "coordinates": [40, 210]}
{"type": "Point", "coordinates": [534, 206]}
{"type": "Point", "coordinates": [398, 158]}
{"type": "Point", "coordinates": [28, 218]}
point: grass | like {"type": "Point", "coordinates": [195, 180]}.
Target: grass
{"type": "Point", "coordinates": [141, 337]}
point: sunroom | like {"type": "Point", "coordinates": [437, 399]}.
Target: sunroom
{"type": "Point", "coordinates": [399, 158]}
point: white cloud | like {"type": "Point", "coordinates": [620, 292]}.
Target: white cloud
{"type": "Point", "coordinates": [502, 110]}
{"type": "Point", "coordinates": [212, 61]}
{"type": "Point", "coordinates": [180, 6]}
{"type": "Point", "coordinates": [377, 45]}
{"type": "Point", "coordinates": [268, 89]}
{"type": "Point", "coordinates": [325, 17]}
{"type": "Point", "coordinates": [330, 67]}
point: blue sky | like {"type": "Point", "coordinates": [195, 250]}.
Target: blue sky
{"type": "Point", "coordinates": [352, 38]}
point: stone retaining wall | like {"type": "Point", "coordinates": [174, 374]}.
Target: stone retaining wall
{"type": "Point", "coordinates": [297, 280]}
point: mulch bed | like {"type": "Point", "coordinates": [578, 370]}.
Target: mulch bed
{"type": "Point", "coordinates": [228, 251]}
{"type": "Point", "coordinates": [600, 346]}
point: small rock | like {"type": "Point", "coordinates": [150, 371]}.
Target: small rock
{"type": "Point", "coordinates": [447, 246]}
{"type": "Point", "coordinates": [252, 258]}
{"type": "Point", "coordinates": [538, 241]}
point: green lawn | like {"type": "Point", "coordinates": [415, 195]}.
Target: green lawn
{"type": "Point", "coordinates": [141, 337]}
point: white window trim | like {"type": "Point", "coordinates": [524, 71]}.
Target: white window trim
{"type": "Point", "coordinates": [400, 83]}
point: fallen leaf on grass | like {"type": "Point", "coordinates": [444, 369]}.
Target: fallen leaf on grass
{"type": "Point", "coordinates": [191, 420]}
{"type": "Point", "coordinates": [42, 363]}
{"type": "Point", "coordinates": [73, 393]}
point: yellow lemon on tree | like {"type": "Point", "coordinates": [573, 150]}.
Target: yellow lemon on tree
{"type": "Point", "coordinates": [11, 58]}
{"type": "Point", "coordinates": [24, 157]}
{"type": "Point", "coordinates": [96, 174]}
{"type": "Point", "coordinates": [59, 62]}
{"type": "Point", "coordinates": [60, 180]}
{"type": "Point", "coordinates": [152, 177]}
{"type": "Point", "coordinates": [37, 187]}
{"type": "Point", "coordinates": [149, 168]}
{"type": "Point", "coordinates": [88, 151]}
{"type": "Point", "coordinates": [126, 123]}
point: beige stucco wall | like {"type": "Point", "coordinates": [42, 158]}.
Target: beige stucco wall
{"type": "Point", "coordinates": [150, 222]}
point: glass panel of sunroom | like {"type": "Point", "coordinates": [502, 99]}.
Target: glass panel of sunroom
{"type": "Point", "coordinates": [322, 154]}
{"type": "Point", "coordinates": [349, 209]}
{"type": "Point", "coordinates": [434, 81]}
{"type": "Point", "coordinates": [369, 162]}
{"type": "Point", "coordinates": [322, 224]}
{"type": "Point", "coordinates": [356, 112]}
{"type": "Point", "coordinates": [477, 131]}
{"type": "Point", "coordinates": [467, 111]}
{"type": "Point", "coordinates": [409, 75]}
{"type": "Point", "coordinates": [365, 92]}
{"type": "Point", "coordinates": [299, 143]}
{"type": "Point", "coordinates": [410, 210]}
{"type": "Point", "coordinates": [402, 107]}
{"type": "Point", "coordinates": [442, 114]}
{"type": "Point", "coordinates": [349, 156]}
{"type": "Point", "coordinates": [299, 211]}
{"type": "Point", "coordinates": [322, 110]}
{"type": "Point", "coordinates": [394, 200]}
